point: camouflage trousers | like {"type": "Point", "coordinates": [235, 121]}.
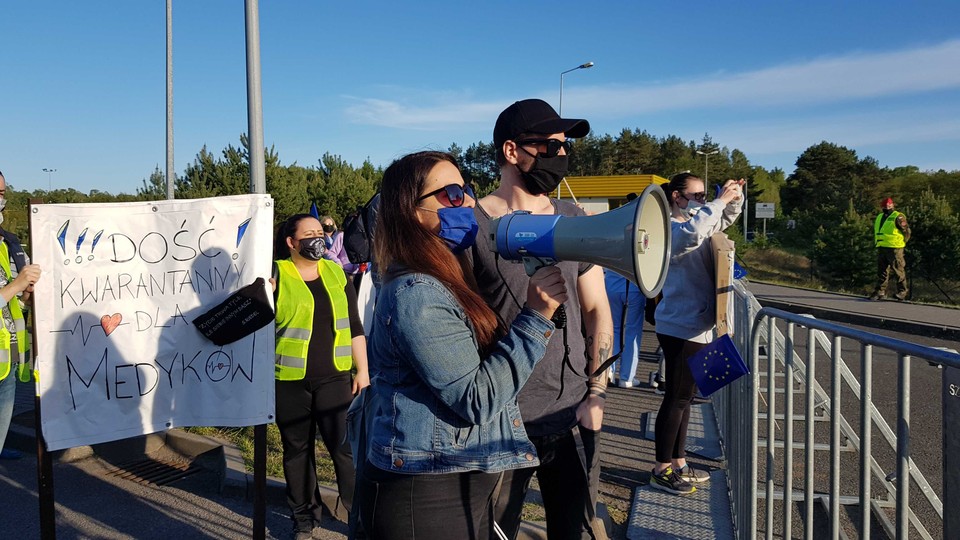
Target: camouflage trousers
{"type": "Point", "coordinates": [891, 260]}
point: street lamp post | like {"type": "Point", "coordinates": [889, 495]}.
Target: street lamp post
{"type": "Point", "coordinates": [585, 65]}
{"type": "Point", "coordinates": [581, 66]}
{"type": "Point", "coordinates": [706, 167]}
{"type": "Point", "coordinates": [49, 178]}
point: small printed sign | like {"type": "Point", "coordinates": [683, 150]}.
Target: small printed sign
{"type": "Point", "coordinates": [765, 210]}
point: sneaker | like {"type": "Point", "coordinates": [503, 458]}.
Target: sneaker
{"type": "Point", "coordinates": [10, 453]}
{"type": "Point", "coordinates": [661, 384]}
{"type": "Point", "coordinates": [900, 298]}
{"type": "Point", "coordinates": [302, 535]}
{"type": "Point", "coordinates": [624, 384]}
{"type": "Point", "coordinates": [670, 482]}
{"type": "Point", "coordinates": [876, 296]}
{"type": "Point", "coordinates": [694, 476]}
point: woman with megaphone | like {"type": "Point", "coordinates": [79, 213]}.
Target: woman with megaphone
{"type": "Point", "coordinates": [443, 421]}
{"type": "Point", "coordinates": [686, 316]}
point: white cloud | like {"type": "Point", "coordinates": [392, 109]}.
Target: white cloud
{"type": "Point", "coordinates": [854, 130]}
{"type": "Point", "coordinates": [831, 80]}
{"type": "Point", "coordinates": [394, 114]}
{"type": "Point", "coordinates": [822, 81]}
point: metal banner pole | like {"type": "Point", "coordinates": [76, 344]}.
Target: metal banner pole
{"type": "Point", "coordinates": [260, 482]}
{"type": "Point", "coordinates": [258, 184]}
{"type": "Point", "coordinates": [45, 495]}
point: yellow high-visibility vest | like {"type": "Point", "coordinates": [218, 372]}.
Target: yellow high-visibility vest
{"type": "Point", "coordinates": [295, 319]}
{"type": "Point", "coordinates": [888, 235]}
{"type": "Point", "coordinates": [19, 326]}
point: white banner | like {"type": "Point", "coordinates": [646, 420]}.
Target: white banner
{"type": "Point", "coordinates": [117, 353]}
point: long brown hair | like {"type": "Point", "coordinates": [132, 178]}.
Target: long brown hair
{"type": "Point", "coordinates": [402, 240]}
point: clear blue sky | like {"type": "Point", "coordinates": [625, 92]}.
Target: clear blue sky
{"type": "Point", "coordinates": [83, 83]}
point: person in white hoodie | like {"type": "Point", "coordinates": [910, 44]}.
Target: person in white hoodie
{"type": "Point", "coordinates": [686, 316]}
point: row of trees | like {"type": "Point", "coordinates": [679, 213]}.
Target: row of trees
{"type": "Point", "coordinates": [829, 201]}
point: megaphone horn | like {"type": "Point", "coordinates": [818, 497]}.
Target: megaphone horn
{"type": "Point", "coordinates": [633, 240]}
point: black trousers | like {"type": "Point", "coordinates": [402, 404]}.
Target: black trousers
{"type": "Point", "coordinates": [303, 408]}
{"type": "Point", "coordinates": [569, 475]}
{"type": "Point", "coordinates": [674, 414]}
{"type": "Point", "coordinates": [426, 506]}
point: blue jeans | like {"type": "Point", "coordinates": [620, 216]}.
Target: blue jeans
{"type": "Point", "coordinates": [8, 392]}
{"type": "Point", "coordinates": [626, 306]}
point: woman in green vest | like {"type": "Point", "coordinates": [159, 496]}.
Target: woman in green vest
{"type": "Point", "coordinates": [319, 342]}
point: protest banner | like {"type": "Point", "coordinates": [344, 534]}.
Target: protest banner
{"type": "Point", "coordinates": [117, 355]}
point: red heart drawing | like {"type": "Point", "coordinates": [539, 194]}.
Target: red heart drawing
{"type": "Point", "coordinates": [110, 322]}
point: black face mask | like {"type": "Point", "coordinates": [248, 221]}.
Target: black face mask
{"type": "Point", "coordinates": [887, 211]}
{"type": "Point", "coordinates": [329, 229]}
{"type": "Point", "coordinates": [312, 248]}
{"type": "Point", "coordinates": [546, 173]}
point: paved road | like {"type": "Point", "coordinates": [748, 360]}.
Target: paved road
{"type": "Point", "coordinates": [92, 504]}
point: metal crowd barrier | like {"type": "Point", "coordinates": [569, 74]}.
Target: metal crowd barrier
{"type": "Point", "coordinates": [738, 412]}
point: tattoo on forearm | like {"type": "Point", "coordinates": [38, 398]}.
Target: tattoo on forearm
{"type": "Point", "coordinates": [589, 349]}
{"type": "Point", "coordinates": [604, 346]}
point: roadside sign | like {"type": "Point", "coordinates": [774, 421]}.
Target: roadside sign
{"type": "Point", "coordinates": [765, 210]}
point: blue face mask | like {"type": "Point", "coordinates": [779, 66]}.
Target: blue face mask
{"type": "Point", "coordinates": [458, 227]}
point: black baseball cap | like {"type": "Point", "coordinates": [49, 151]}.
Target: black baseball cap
{"type": "Point", "coordinates": [535, 116]}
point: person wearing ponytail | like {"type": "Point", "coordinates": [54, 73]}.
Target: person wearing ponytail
{"type": "Point", "coordinates": [443, 423]}
{"type": "Point", "coordinates": [686, 317]}
{"type": "Point", "coordinates": [321, 363]}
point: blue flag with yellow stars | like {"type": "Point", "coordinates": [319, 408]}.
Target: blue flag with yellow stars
{"type": "Point", "coordinates": [717, 365]}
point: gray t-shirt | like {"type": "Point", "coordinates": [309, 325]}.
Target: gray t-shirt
{"type": "Point", "coordinates": [503, 284]}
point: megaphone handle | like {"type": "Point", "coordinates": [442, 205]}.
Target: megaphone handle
{"type": "Point", "coordinates": [559, 318]}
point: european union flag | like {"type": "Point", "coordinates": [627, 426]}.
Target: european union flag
{"type": "Point", "coordinates": [739, 272]}
{"type": "Point", "coordinates": [717, 365]}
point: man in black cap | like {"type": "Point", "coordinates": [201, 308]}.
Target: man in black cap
{"type": "Point", "coordinates": [561, 404]}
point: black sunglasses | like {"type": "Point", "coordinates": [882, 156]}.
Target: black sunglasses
{"type": "Point", "coordinates": [699, 197]}
{"type": "Point", "coordinates": [553, 146]}
{"type": "Point", "coordinates": [453, 192]}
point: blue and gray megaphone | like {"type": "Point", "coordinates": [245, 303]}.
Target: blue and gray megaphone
{"type": "Point", "coordinates": [633, 240]}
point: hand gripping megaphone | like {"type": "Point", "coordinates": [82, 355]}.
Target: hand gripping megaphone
{"type": "Point", "coordinates": [633, 240]}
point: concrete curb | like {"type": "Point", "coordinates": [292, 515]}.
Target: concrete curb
{"type": "Point", "coordinates": [886, 323]}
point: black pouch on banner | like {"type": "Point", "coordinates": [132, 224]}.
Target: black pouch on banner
{"type": "Point", "coordinates": [240, 315]}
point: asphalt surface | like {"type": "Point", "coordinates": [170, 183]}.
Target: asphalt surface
{"type": "Point", "coordinates": [93, 503]}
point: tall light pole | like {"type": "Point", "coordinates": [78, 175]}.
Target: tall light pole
{"type": "Point", "coordinates": [49, 178]}
{"type": "Point", "coordinates": [171, 175]}
{"type": "Point", "coordinates": [258, 182]}
{"type": "Point", "coordinates": [585, 65]}
{"type": "Point", "coordinates": [706, 167]}
{"type": "Point", "coordinates": [581, 66]}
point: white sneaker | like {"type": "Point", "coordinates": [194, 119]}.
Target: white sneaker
{"type": "Point", "coordinates": [694, 476]}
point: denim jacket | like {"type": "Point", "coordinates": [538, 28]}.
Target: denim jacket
{"type": "Point", "coordinates": [438, 406]}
